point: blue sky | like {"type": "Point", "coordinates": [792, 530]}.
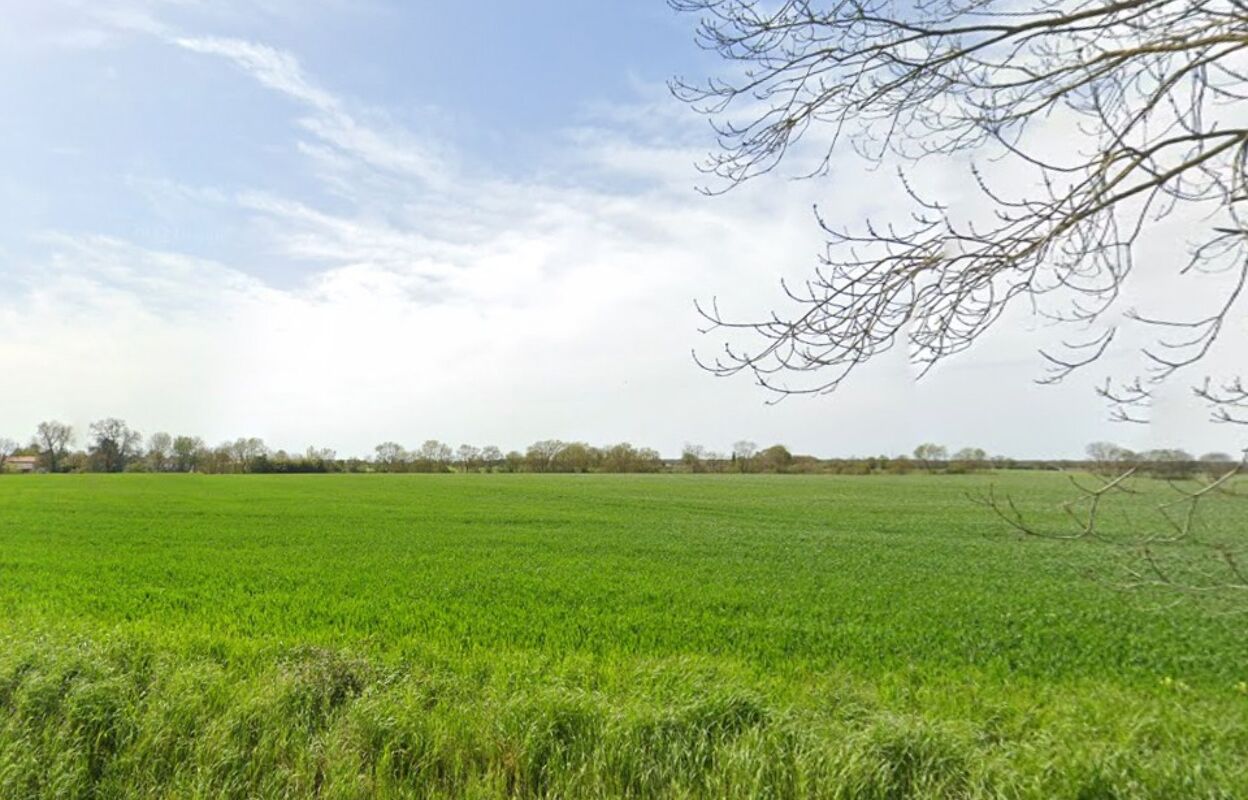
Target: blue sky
{"type": "Point", "coordinates": [338, 223]}
{"type": "Point", "coordinates": [108, 108]}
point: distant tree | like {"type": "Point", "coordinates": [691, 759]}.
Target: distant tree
{"type": "Point", "coordinates": [320, 459]}
{"type": "Point", "coordinates": [390, 456]}
{"type": "Point", "coordinates": [76, 461]}
{"type": "Point", "coordinates": [649, 460]}
{"type": "Point", "coordinates": [809, 465]}
{"type": "Point", "coordinates": [515, 461]}
{"type": "Point", "coordinates": [53, 440]}
{"type": "Point", "coordinates": [160, 452]}
{"type": "Point", "coordinates": [1214, 464]}
{"type": "Point", "coordinates": [1169, 463]}
{"type": "Point", "coordinates": [434, 456]}
{"type": "Point", "coordinates": [218, 460]}
{"type": "Point", "coordinates": [575, 457]}
{"type": "Point", "coordinates": [744, 449]}
{"type": "Point", "coordinates": [113, 445]}
{"type": "Point", "coordinates": [238, 453]}
{"type": "Point", "coordinates": [693, 456]}
{"type": "Point", "coordinates": [620, 457]}
{"type": "Point", "coordinates": [540, 457]}
{"type": "Point", "coordinates": [931, 455]}
{"type": "Point", "coordinates": [468, 457]}
{"type": "Point", "coordinates": [7, 448]}
{"type": "Point", "coordinates": [624, 457]}
{"type": "Point", "coordinates": [743, 455]}
{"type": "Point", "coordinates": [1167, 454]}
{"type": "Point", "coordinates": [492, 457]}
{"type": "Point", "coordinates": [969, 459]}
{"type": "Point", "coordinates": [776, 458]}
{"type": "Point", "coordinates": [245, 452]}
{"type": "Point", "coordinates": [187, 453]}
{"type": "Point", "coordinates": [901, 465]}
{"type": "Point", "coordinates": [1108, 458]}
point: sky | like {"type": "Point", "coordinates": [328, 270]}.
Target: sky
{"type": "Point", "coordinates": [342, 222]}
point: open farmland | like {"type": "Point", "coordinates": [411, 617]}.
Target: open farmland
{"type": "Point", "coordinates": [584, 636]}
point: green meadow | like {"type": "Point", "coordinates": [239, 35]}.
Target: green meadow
{"type": "Point", "coordinates": [481, 636]}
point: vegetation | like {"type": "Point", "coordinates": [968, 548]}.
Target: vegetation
{"type": "Point", "coordinates": [592, 636]}
{"type": "Point", "coordinates": [1143, 94]}
{"type": "Point", "coordinates": [113, 446]}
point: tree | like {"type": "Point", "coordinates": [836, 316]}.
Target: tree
{"type": "Point", "coordinates": [575, 457]}
{"type": "Point", "coordinates": [624, 457]}
{"type": "Point", "coordinates": [1108, 458]}
{"type": "Point", "coordinates": [244, 452]}
{"type": "Point", "coordinates": [113, 445]}
{"type": "Point", "coordinates": [320, 459]}
{"type": "Point", "coordinates": [540, 457]}
{"type": "Point", "coordinates": [53, 439]}
{"type": "Point", "coordinates": [187, 453]}
{"type": "Point", "coordinates": [491, 457]}
{"type": "Point", "coordinates": [7, 448]}
{"type": "Point", "coordinates": [218, 460]}
{"type": "Point", "coordinates": [742, 455]}
{"type": "Point", "coordinates": [1214, 464]}
{"type": "Point", "coordinates": [930, 455]}
{"type": "Point", "coordinates": [390, 456]}
{"type": "Point", "coordinates": [693, 457]}
{"type": "Point", "coordinates": [901, 465]}
{"type": "Point", "coordinates": [969, 459]}
{"type": "Point", "coordinates": [1169, 463]}
{"type": "Point", "coordinates": [160, 452]}
{"type": "Point", "coordinates": [776, 458]}
{"type": "Point", "coordinates": [1149, 91]}
{"type": "Point", "coordinates": [434, 456]}
{"type": "Point", "coordinates": [468, 457]}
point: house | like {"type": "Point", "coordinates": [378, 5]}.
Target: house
{"type": "Point", "coordinates": [21, 463]}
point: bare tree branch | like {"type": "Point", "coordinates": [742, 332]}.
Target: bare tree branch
{"type": "Point", "coordinates": [1181, 551]}
{"type": "Point", "coordinates": [1152, 86]}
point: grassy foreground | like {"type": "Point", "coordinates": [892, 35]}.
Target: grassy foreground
{"type": "Point", "coordinates": [589, 636]}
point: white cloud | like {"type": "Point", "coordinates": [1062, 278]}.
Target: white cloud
{"type": "Point", "coordinates": [272, 67]}
{"type": "Point", "coordinates": [330, 122]}
{"type": "Point", "coordinates": [475, 308]}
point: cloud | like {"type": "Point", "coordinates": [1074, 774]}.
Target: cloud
{"type": "Point", "coordinates": [272, 67]}
{"type": "Point", "coordinates": [331, 123]}
{"type": "Point", "coordinates": [435, 301]}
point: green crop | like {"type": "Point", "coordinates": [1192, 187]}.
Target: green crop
{"type": "Point", "coordinates": [592, 636]}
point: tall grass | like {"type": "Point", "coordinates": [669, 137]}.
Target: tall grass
{"type": "Point", "coordinates": [96, 721]}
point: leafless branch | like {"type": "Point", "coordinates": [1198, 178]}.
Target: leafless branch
{"type": "Point", "coordinates": [1151, 84]}
{"type": "Point", "coordinates": [1180, 551]}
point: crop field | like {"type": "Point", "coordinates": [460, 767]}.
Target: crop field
{"type": "Point", "coordinates": [354, 636]}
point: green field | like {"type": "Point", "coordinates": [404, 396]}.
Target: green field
{"type": "Point", "coordinates": [591, 636]}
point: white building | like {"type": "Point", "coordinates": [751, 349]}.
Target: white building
{"type": "Point", "coordinates": [21, 463]}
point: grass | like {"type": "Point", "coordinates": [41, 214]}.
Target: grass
{"type": "Point", "coordinates": [590, 636]}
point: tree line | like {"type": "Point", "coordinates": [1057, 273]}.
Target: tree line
{"type": "Point", "coordinates": [111, 445]}
{"type": "Point", "coordinates": [1108, 459]}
